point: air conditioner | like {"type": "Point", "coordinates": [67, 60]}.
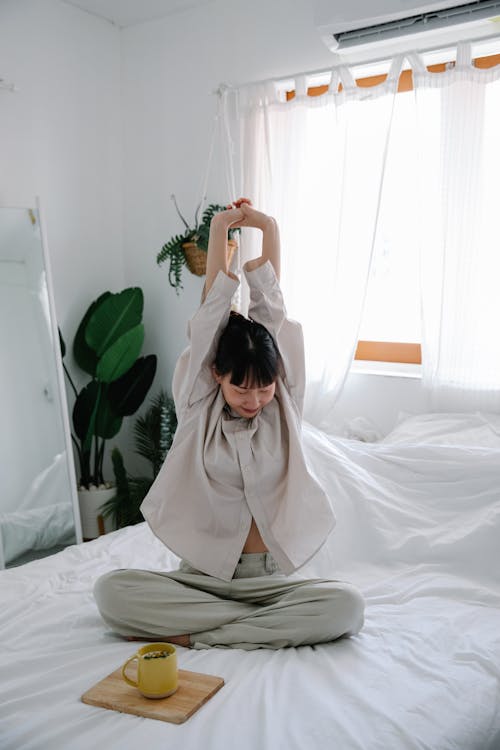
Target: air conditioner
{"type": "Point", "coordinates": [361, 23]}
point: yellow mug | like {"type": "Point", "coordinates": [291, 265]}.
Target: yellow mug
{"type": "Point", "coordinates": [157, 675]}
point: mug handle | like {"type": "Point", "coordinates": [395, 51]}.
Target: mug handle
{"type": "Point", "coordinates": [127, 679]}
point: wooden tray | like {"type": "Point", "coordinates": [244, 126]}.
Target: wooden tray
{"type": "Point", "coordinates": [194, 690]}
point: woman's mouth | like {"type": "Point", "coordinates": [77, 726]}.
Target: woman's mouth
{"type": "Point", "coordinates": [249, 411]}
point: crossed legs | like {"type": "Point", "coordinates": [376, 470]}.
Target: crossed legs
{"type": "Point", "coordinates": [190, 608]}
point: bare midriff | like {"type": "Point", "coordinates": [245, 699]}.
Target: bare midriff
{"type": "Point", "coordinates": [254, 541]}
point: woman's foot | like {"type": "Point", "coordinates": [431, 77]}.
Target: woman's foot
{"type": "Point", "coordinates": [177, 640]}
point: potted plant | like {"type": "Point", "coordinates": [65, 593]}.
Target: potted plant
{"type": "Point", "coordinates": [153, 433]}
{"type": "Point", "coordinates": [190, 248]}
{"type": "Point", "coordinates": [106, 347]}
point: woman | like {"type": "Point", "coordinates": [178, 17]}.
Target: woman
{"type": "Point", "coordinates": [234, 498]}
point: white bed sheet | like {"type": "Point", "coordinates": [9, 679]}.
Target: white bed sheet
{"type": "Point", "coordinates": [418, 531]}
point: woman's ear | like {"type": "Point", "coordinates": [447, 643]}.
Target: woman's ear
{"type": "Point", "coordinates": [216, 375]}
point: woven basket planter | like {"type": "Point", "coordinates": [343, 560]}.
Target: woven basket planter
{"type": "Point", "coordinates": [196, 258]}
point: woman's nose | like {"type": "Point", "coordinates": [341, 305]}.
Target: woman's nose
{"type": "Point", "coordinates": [252, 400]}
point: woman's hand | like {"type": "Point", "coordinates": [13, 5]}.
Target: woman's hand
{"type": "Point", "coordinates": [244, 215]}
{"type": "Point", "coordinates": [231, 217]}
{"type": "Point", "coordinates": [254, 218]}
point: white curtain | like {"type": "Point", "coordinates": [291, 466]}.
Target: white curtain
{"type": "Point", "coordinates": [317, 165]}
{"type": "Point", "coordinates": [459, 125]}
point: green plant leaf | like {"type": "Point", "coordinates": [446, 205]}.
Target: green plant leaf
{"type": "Point", "coordinates": [168, 427]}
{"type": "Point", "coordinates": [92, 418]}
{"type": "Point", "coordinates": [124, 506]}
{"type": "Point", "coordinates": [147, 433]}
{"type": "Point", "coordinates": [121, 355]}
{"type": "Point", "coordinates": [84, 409]}
{"type": "Point", "coordinates": [173, 252]}
{"type": "Point", "coordinates": [107, 423]}
{"type": "Point", "coordinates": [121, 480]}
{"type": "Point", "coordinates": [128, 392]}
{"type": "Point", "coordinates": [85, 357]}
{"type": "Point", "coordinates": [114, 316]}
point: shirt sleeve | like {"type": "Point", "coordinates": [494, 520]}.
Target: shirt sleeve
{"type": "Point", "coordinates": [193, 377]}
{"type": "Point", "coordinates": [267, 307]}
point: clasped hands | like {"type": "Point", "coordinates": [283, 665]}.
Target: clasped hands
{"type": "Point", "coordinates": [241, 213]}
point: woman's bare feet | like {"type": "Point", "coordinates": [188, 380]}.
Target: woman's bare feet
{"type": "Point", "coordinates": [177, 640]}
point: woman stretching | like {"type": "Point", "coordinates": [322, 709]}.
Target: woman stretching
{"type": "Point", "coordinates": [234, 498]}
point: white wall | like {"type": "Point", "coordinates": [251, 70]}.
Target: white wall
{"type": "Point", "coordinates": [107, 123]}
{"type": "Point", "coordinates": [170, 69]}
{"type": "Point", "coordinates": [60, 138]}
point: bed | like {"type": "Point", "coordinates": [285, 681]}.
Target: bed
{"type": "Point", "coordinates": [418, 530]}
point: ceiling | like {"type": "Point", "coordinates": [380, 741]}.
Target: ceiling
{"type": "Point", "coordinates": [124, 13]}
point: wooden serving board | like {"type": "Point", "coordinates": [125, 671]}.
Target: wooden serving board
{"type": "Point", "coordinates": [194, 690]}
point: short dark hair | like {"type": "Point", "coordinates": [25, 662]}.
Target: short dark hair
{"type": "Point", "coordinates": [248, 352]}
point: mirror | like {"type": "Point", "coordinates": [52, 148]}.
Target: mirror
{"type": "Point", "coordinates": [38, 502]}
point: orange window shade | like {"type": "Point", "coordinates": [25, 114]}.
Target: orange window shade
{"type": "Point", "coordinates": [405, 79]}
{"type": "Point", "coordinates": [387, 351]}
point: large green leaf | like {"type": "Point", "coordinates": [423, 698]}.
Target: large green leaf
{"type": "Point", "coordinates": [93, 415]}
{"type": "Point", "coordinates": [84, 409]}
{"type": "Point", "coordinates": [116, 315]}
{"type": "Point", "coordinates": [121, 355]}
{"type": "Point", "coordinates": [128, 392]}
{"type": "Point", "coordinates": [85, 356]}
{"type": "Point", "coordinates": [108, 424]}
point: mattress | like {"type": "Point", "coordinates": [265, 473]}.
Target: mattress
{"type": "Point", "coordinates": [418, 530]}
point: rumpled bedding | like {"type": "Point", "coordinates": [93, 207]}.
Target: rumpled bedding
{"type": "Point", "coordinates": [36, 529]}
{"type": "Point", "coordinates": [418, 531]}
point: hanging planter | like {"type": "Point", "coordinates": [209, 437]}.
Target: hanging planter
{"type": "Point", "coordinates": [190, 249]}
{"type": "Point", "coordinates": [196, 257]}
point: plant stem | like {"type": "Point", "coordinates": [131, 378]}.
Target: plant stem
{"type": "Point", "coordinates": [177, 209]}
{"type": "Point", "coordinates": [101, 461]}
{"type": "Point", "coordinates": [96, 460]}
{"type": "Point", "coordinates": [78, 451]}
{"type": "Point", "coordinates": [70, 381]}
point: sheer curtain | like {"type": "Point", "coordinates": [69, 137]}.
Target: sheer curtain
{"type": "Point", "coordinates": [317, 165]}
{"type": "Point", "coordinates": [459, 124]}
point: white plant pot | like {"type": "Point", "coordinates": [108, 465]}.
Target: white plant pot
{"type": "Point", "coordinates": [90, 502]}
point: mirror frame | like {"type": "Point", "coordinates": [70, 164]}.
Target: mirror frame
{"type": "Point", "coordinates": [61, 390]}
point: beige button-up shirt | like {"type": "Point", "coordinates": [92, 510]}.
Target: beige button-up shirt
{"type": "Point", "coordinates": [223, 469]}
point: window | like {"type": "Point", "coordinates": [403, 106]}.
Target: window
{"type": "Point", "coordinates": [390, 329]}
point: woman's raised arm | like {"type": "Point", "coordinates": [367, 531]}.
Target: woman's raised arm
{"type": "Point", "coordinates": [242, 215]}
{"type": "Point", "coordinates": [217, 255]}
{"type": "Point", "coordinates": [270, 237]}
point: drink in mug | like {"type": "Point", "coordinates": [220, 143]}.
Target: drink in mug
{"type": "Point", "coordinates": [157, 675]}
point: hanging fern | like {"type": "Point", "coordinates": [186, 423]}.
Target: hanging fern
{"type": "Point", "coordinates": [173, 251]}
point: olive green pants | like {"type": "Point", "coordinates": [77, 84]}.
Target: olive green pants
{"type": "Point", "coordinates": [259, 608]}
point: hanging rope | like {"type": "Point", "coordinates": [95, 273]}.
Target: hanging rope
{"type": "Point", "coordinates": [221, 127]}
{"type": "Point", "coordinates": [204, 182]}
{"type": "Point", "coordinates": [228, 152]}
{"type": "Point", "coordinates": [223, 91]}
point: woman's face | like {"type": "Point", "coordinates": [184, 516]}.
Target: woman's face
{"type": "Point", "coordinates": [245, 399]}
